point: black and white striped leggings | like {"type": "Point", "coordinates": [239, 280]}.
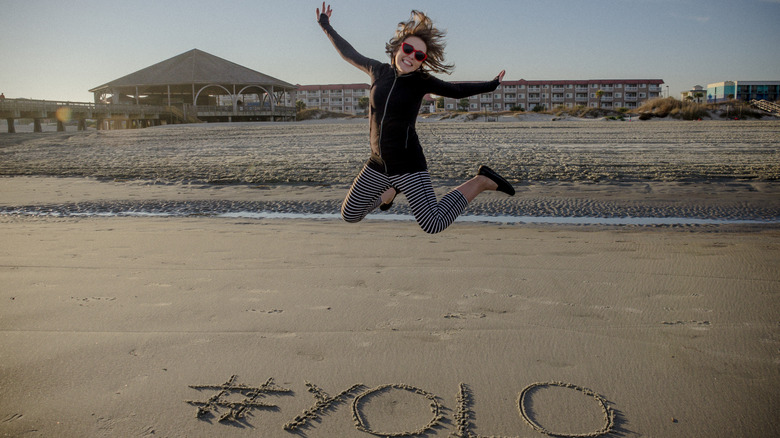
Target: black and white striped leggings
{"type": "Point", "coordinates": [433, 216]}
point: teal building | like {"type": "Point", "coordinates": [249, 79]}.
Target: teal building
{"type": "Point", "coordinates": [743, 90]}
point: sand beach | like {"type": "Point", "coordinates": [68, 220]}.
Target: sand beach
{"type": "Point", "coordinates": [195, 281]}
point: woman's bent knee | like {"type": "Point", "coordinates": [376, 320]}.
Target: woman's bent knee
{"type": "Point", "coordinates": [350, 217]}
{"type": "Point", "coordinates": [432, 228]}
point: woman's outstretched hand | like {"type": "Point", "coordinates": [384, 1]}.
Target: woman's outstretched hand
{"type": "Point", "coordinates": [325, 11]}
{"type": "Point", "coordinates": [500, 76]}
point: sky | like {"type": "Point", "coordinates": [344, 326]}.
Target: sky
{"type": "Point", "coordinates": [58, 50]}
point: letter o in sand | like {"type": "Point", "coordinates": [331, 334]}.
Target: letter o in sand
{"type": "Point", "coordinates": [358, 409]}
{"type": "Point", "coordinates": [522, 402]}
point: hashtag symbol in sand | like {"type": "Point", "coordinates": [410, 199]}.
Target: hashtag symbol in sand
{"type": "Point", "coordinates": [236, 410]}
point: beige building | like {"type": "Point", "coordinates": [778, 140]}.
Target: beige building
{"type": "Point", "coordinates": [526, 95]}
{"type": "Point", "coordinates": [340, 98]}
{"type": "Point", "coordinates": [510, 95]}
{"type": "Point", "coordinates": [696, 94]}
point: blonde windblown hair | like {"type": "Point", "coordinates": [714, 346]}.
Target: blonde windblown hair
{"type": "Point", "coordinates": [422, 27]}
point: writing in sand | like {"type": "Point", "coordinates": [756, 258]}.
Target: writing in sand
{"type": "Point", "coordinates": [362, 396]}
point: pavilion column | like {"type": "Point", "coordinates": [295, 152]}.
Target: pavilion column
{"type": "Point", "coordinates": [11, 127]}
{"type": "Point", "coordinates": [273, 104]}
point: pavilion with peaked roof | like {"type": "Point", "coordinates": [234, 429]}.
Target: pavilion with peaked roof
{"type": "Point", "coordinates": [201, 84]}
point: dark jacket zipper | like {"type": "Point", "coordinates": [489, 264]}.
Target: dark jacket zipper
{"type": "Point", "coordinates": [382, 122]}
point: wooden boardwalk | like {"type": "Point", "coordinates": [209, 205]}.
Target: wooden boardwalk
{"type": "Point", "coordinates": [129, 116]}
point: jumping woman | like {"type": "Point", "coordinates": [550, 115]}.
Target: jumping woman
{"type": "Point", "coordinates": [397, 163]}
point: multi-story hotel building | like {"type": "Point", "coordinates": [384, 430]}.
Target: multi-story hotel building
{"type": "Point", "coordinates": [340, 98]}
{"type": "Point", "coordinates": [510, 95]}
{"type": "Point", "coordinates": [527, 95]}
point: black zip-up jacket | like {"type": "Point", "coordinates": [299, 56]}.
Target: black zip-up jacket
{"type": "Point", "coordinates": [394, 104]}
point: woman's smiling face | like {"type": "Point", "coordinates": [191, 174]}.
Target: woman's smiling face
{"type": "Point", "coordinates": [406, 62]}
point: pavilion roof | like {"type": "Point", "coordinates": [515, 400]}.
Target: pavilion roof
{"type": "Point", "coordinates": [194, 67]}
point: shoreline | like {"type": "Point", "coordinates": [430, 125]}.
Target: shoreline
{"type": "Point", "coordinates": [652, 203]}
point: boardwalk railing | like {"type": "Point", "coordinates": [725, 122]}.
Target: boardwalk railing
{"type": "Point", "coordinates": [129, 115]}
{"type": "Point", "coordinates": [767, 106]}
{"type": "Point", "coordinates": [31, 109]}
{"type": "Point", "coordinates": [107, 115]}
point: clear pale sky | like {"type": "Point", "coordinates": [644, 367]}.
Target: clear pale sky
{"type": "Point", "coordinates": [57, 50]}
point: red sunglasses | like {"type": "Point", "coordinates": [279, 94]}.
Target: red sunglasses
{"type": "Point", "coordinates": [418, 54]}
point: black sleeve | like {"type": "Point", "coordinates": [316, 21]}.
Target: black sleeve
{"type": "Point", "coordinates": [460, 90]}
{"type": "Point", "coordinates": [344, 48]}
